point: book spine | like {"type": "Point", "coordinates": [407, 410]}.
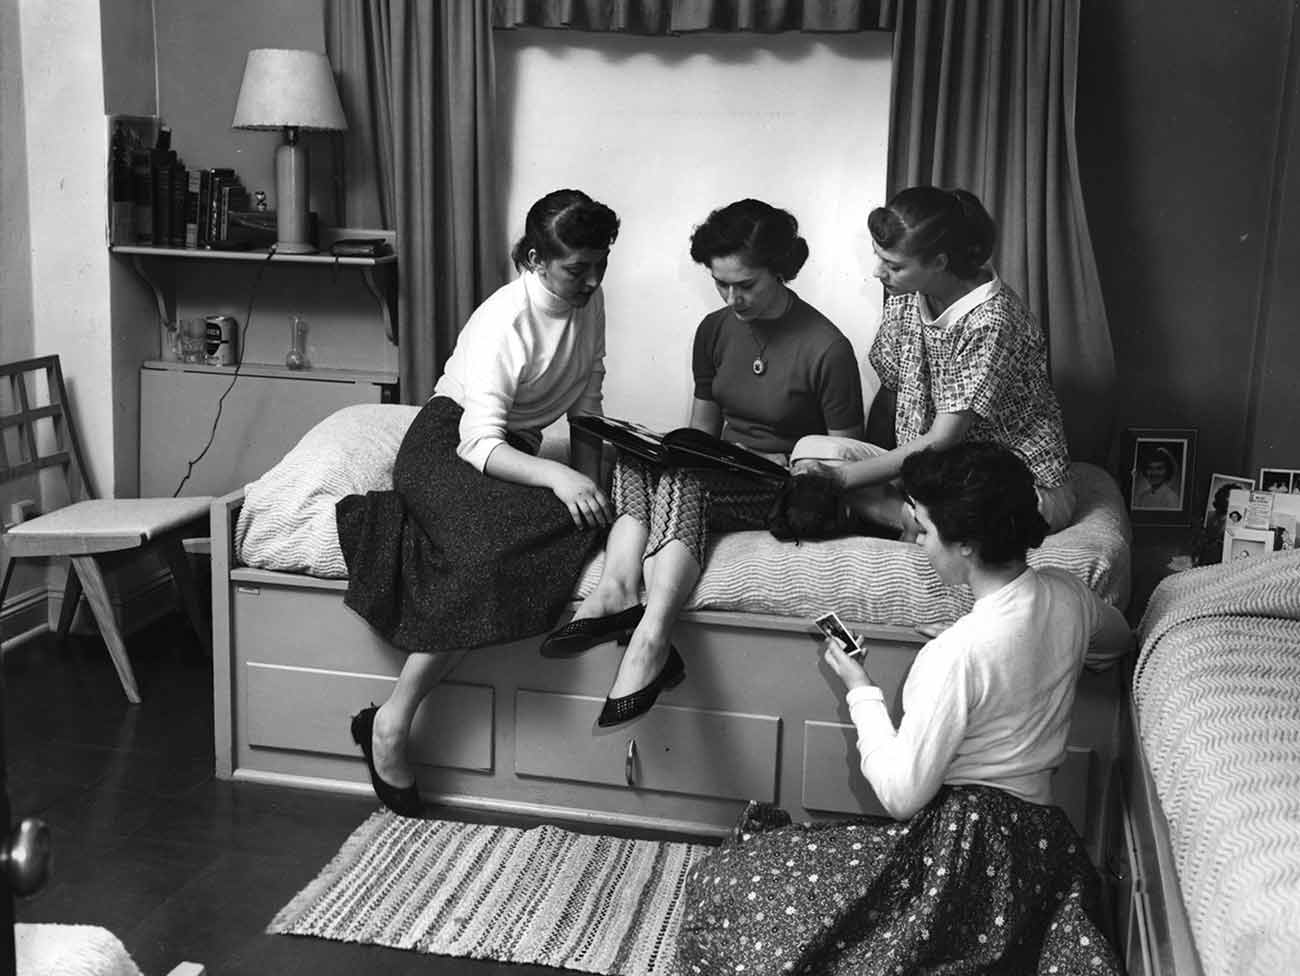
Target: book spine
{"type": "Point", "coordinates": [193, 185]}
{"type": "Point", "coordinates": [162, 197]}
{"type": "Point", "coordinates": [179, 196]}
{"type": "Point", "coordinates": [141, 197]}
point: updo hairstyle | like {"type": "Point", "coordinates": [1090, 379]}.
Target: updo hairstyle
{"type": "Point", "coordinates": [761, 235]}
{"type": "Point", "coordinates": [979, 494]}
{"type": "Point", "coordinates": [563, 221]}
{"type": "Point", "coordinates": [925, 221]}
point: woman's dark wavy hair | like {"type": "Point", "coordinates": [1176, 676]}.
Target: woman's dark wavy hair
{"type": "Point", "coordinates": [562, 221]}
{"type": "Point", "coordinates": [925, 221]}
{"type": "Point", "coordinates": [980, 494]}
{"type": "Point", "coordinates": [762, 235]}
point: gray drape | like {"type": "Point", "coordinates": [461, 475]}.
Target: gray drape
{"type": "Point", "coordinates": [984, 98]}
{"type": "Point", "coordinates": [416, 81]}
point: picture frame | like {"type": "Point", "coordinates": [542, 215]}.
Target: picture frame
{"type": "Point", "coordinates": [1239, 543]}
{"type": "Point", "coordinates": [1281, 480]}
{"type": "Point", "coordinates": [1159, 469]}
{"type": "Point", "coordinates": [1216, 499]}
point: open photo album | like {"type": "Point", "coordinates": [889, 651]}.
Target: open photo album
{"type": "Point", "coordinates": [684, 447]}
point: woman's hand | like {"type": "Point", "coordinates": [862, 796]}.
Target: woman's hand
{"type": "Point", "coordinates": [587, 504]}
{"type": "Point", "coordinates": [853, 674]}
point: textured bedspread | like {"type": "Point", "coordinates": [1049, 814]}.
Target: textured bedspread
{"type": "Point", "coordinates": [287, 524]}
{"type": "Point", "coordinates": [1217, 692]}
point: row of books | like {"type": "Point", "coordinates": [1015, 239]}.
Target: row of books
{"type": "Point", "coordinates": [156, 199]}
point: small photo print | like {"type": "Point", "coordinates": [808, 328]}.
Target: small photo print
{"type": "Point", "coordinates": [1216, 501]}
{"type": "Point", "coordinates": [1247, 544]}
{"type": "Point", "coordinates": [1285, 481]}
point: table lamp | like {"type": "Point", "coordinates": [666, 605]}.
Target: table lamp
{"type": "Point", "coordinates": [289, 90]}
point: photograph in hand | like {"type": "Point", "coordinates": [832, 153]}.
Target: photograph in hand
{"type": "Point", "coordinates": [830, 624]}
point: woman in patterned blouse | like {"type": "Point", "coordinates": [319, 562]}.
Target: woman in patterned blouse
{"type": "Point", "coordinates": [980, 872]}
{"type": "Point", "coordinates": [961, 354]}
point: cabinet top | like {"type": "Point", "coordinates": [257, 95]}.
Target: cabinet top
{"type": "Point", "coordinates": [203, 254]}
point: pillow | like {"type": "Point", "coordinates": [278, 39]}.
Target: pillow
{"type": "Point", "coordinates": [287, 519]}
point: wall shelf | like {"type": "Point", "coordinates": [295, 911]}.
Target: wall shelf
{"type": "Point", "coordinates": [378, 273]}
{"type": "Point", "coordinates": [316, 374]}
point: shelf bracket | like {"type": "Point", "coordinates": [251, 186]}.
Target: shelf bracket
{"type": "Point", "coordinates": [385, 293]}
{"type": "Point", "coordinates": [165, 315]}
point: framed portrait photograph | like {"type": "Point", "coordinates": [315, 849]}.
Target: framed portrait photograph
{"type": "Point", "coordinates": [1284, 481]}
{"type": "Point", "coordinates": [1216, 499]}
{"type": "Point", "coordinates": [1247, 543]}
{"type": "Point", "coordinates": [1158, 483]}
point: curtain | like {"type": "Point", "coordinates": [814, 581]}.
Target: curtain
{"type": "Point", "coordinates": [680, 16]}
{"type": "Point", "coordinates": [416, 80]}
{"type": "Point", "coordinates": [984, 98]}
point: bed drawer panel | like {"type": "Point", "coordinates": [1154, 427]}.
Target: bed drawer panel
{"type": "Point", "coordinates": [673, 750]}
{"type": "Point", "coordinates": [307, 711]}
{"type": "Point", "coordinates": [832, 781]}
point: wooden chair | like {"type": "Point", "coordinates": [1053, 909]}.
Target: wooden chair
{"type": "Point", "coordinates": [38, 444]}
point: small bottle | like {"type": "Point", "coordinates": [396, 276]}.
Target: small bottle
{"type": "Point", "coordinates": [296, 357]}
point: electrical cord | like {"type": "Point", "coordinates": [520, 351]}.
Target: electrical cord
{"type": "Point", "coordinates": [239, 363]}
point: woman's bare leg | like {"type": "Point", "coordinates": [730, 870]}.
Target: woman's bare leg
{"type": "Point", "coordinates": [619, 586]}
{"type": "Point", "coordinates": [671, 574]}
{"type": "Point", "coordinates": [419, 676]}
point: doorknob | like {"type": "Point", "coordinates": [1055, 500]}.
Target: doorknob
{"type": "Point", "coordinates": [25, 857]}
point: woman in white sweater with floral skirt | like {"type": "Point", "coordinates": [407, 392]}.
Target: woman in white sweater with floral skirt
{"type": "Point", "coordinates": [481, 540]}
{"type": "Point", "coordinates": [983, 874]}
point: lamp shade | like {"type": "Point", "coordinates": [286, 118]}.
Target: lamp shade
{"type": "Point", "coordinates": [288, 88]}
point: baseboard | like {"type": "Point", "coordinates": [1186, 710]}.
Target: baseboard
{"type": "Point", "coordinates": [23, 617]}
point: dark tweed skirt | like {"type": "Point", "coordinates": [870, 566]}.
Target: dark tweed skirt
{"type": "Point", "coordinates": [977, 882]}
{"type": "Point", "coordinates": [452, 559]}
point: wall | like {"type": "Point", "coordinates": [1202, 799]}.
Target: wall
{"type": "Point", "coordinates": [666, 129]}
{"type": "Point", "coordinates": [15, 257]}
{"type": "Point", "coordinates": [201, 51]}
{"type": "Point", "coordinates": [1180, 110]}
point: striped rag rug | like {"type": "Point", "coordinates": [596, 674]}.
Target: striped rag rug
{"type": "Point", "coordinates": [544, 896]}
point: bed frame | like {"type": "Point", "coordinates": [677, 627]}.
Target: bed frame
{"type": "Point", "coordinates": [759, 715]}
{"type": "Point", "coordinates": [1153, 932]}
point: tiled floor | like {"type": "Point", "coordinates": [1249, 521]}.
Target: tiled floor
{"type": "Point", "coordinates": [179, 865]}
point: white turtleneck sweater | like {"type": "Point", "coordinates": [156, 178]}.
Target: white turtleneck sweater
{"type": "Point", "coordinates": [988, 701]}
{"type": "Point", "coordinates": [524, 359]}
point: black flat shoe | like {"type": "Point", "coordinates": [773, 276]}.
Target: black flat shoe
{"type": "Point", "coordinates": [404, 801]}
{"type": "Point", "coordinates": [616, 711]}
{"type": "Point", "coordinates": [578, 635]}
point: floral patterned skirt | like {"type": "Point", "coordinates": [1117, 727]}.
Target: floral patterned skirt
{"type": "Point", "coordinates": [977, 882]}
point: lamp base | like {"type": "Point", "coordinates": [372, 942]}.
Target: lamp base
{"type": "Point", "coordinates": [294, 247]}
{"type": "Point", "coordinates": [291, 197]}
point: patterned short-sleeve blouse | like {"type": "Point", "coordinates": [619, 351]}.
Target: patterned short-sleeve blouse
{"type": "Point", "coordinates": [991, 360]}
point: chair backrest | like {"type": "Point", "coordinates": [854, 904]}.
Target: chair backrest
{"type": "Point", "coordinates": [37, 433]}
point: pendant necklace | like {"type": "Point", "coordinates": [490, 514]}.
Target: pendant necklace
{"type": "Point", "coordinates": [759, 365]}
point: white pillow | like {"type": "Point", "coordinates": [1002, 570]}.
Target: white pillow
{"type": "Point", "coordinates": [287, 520]}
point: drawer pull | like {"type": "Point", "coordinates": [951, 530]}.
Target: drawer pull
{"type": "Point", "coordinates": [629, 765]}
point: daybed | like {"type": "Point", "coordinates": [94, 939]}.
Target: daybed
{"type": "Point", "coordinates": [758, 716]}
{"type": "Point", "coordinates": [1207, 851]}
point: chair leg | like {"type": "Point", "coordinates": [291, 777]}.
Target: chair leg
{"type": "Point", "coordinates": [100, 604]}
{"type": "Point", "coordinates": [179, 563]}
{"type": "Point", "coordinates": [71, 597]}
